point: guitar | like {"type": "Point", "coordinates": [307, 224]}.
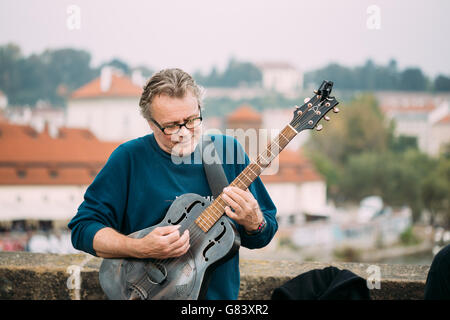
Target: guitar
{"type": "Point", "coordinates": [214, 239]}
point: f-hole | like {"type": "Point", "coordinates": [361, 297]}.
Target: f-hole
{"type": "Point", "coordinates": [179, 220]}
{"type": "Point", "coordinates": [222, 233]}
{"type": "Point", "coordinates": [188, 209]}
{"type": "Point", "coordinates": [212, 243]}
{"type": "Point", "coordinates": [216, 240]}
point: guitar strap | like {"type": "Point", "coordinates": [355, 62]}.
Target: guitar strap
{"type": "Point", "coordinates": [212, 164]}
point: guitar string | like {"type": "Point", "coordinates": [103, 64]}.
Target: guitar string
{"type": "Point", "coordinates": [198, 233]}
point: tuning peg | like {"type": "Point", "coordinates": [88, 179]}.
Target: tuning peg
{"type": "Point", "coordinates": [335, 109]}
{"type": "Point", "coordinates": [327, 118]}
{"type": "Point", "coordinates": [306, 100]}
{"type": "Point", "coordinates": [319, 127]}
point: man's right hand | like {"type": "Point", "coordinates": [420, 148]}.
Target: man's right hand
{"type": "Point", "coordinates": [164, 242]}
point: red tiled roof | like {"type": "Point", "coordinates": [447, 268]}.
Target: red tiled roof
{"type": "Point", "coordinates": [244, 113]}
{"type": "Point", "coordinates": [121, 86]}
{"type": "Point", "coordinates": [293, 167]}
{"type": "Point", "coordinates": [29, 157]}
{"type": "Point", "coordinates": [444, 120]}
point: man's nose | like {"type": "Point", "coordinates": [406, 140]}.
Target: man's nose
{"type": "Point", "coordinates": [184, 131]}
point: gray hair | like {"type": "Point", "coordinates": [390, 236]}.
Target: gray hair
{"type": "Point", "coordinates": [171, 82]}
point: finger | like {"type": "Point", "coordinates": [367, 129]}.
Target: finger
{"type": "Point", "coordinates": [231, 202]}
{"type": "Point", "coordinates": [172, 237]}
{"type": "Point", "coordinates": [182, 250]}
{"type": "Point", "coordinates": [180, 242]}
{"type": "Point", "coordinates": [246, 195]}
{"type": "Point", "coordinates": [162, 231]}
{"type": "Point", "coordinates": [231, 214]}
{"type": "Point", "coordinates": [235, 197]}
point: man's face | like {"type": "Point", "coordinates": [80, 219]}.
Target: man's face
{"type": "Point", "coordinates": [167, 111]}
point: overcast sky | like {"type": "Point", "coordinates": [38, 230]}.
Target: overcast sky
{"type": "Point", "coordinates": [198, 34]}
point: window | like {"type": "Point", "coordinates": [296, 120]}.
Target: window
{"type": "Point", "coordinates": [21, 173]}
{"type": "Point", "coordinates": [53, 173]}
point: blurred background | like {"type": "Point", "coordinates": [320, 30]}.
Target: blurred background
{"type": "Point", "coordinates": [372, 186]}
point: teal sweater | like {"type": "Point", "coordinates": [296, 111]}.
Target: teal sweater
{"type": "Point", "coordinates": [139, 182]}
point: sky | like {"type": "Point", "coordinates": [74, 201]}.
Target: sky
{"type": "Point", "coordinates": [199, 34]}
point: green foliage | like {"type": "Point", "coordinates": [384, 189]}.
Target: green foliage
{"type": "Point", "coordinates": [370, 76]}
{"type": "Point", "coordinates": [408, 237]}
{"type": "Point", "coordinates": [236, 74]}
{"type": "Point", "coordinates": [286, 242]}
{"type": "Point", "coordinates": [25, 80]}
{"type": "Point", "coordinates": [412, 80]}
{"type": "Point", "coordinates": [347, 254]}
{"type": "Point", "coordinates": [360, 156]}
{"type": "Point", "coordinates": [442, 83]}
{"type": "Point", "coordinates": [436, 190]}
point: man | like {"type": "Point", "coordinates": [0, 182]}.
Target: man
{"type": "Point", "coordinates": [140, 180]}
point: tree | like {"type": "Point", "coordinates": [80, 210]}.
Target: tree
{"type": "Point", "coordinates": [436, 191]}
{"type": "Point", "coordinates": [412, 79]}
{"type": "Point", "coordinates": [236, 74]}
{"type": "Point", "coordinates": [441, 83]}
{"type": "Point", "coordinates": [360, 127]}
{"type": "Point", "coordinates": [241, 73]}
{"type": "Point", "coordinates": [386, 175]}
{"type": "Point", "coordinates": [118, 64]}
{"type": "Point", "coordinates": [360, 156]}
{"type": "Point", "coordinates": [10, 55]}
{"type": "Point", "coordinates": [67, 67]}
{"type": "Point", "coordinates": [26, 80]}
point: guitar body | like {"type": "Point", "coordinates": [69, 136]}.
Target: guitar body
{"type": "Point", "coordinates": [184, 277]}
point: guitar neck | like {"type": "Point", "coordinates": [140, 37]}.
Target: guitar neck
{"type": "Point", "coordinates": [217, 208]}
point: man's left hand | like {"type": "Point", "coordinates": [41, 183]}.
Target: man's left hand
{"type": "Point", "coordinates": [246, 209]}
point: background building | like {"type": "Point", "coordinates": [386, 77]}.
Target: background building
{"type": "Point", "coordinates": [109, 107]}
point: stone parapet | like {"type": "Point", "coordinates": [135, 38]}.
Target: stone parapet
{"type": "Point", "coordinates": [37, 276]}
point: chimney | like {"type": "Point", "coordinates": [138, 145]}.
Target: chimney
{"type": "Point", "coordinates": [137, 78]}
{"type": "Point", "coordinates": [105, 78]}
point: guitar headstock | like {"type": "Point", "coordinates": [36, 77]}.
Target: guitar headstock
{"type": "Point", "coordinates": [309, 114]}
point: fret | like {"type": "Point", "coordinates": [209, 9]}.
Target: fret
{"type": "Point", "coordinates": [249, 179]}
{"type": "Point", "coordinates": [216, 210]}
{"type": "Point", "coordinates": [249, 168]}
{"type": "Point", "coordinates": [212, 216]}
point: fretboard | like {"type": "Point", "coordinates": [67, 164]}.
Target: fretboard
{"type": "Point", "coordinates": [217, 208]}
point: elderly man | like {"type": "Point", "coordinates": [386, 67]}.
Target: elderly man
{"type": "Point", "coordinates": [140, 180]}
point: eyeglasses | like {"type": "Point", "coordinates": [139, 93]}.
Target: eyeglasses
{"type": "Point", "coordinates": [175, 128]}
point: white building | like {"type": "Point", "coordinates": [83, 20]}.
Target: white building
{"type": "Point", "coordinates": [281, 77]}
{"type": "Point", "coordinates": [43, 178]}
{"type": "Point", "coordinates": [39, 117]}
{"type": "Point", "coordinates": [109, 107]}
{"type": "Point", "coordinates": [419, 115]}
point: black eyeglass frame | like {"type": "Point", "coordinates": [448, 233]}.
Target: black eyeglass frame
{"type": "Point", "coordinates": [179, 125]}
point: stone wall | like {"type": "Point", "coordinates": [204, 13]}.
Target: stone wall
{"type": "Point", "coordinates": [37, 276]}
